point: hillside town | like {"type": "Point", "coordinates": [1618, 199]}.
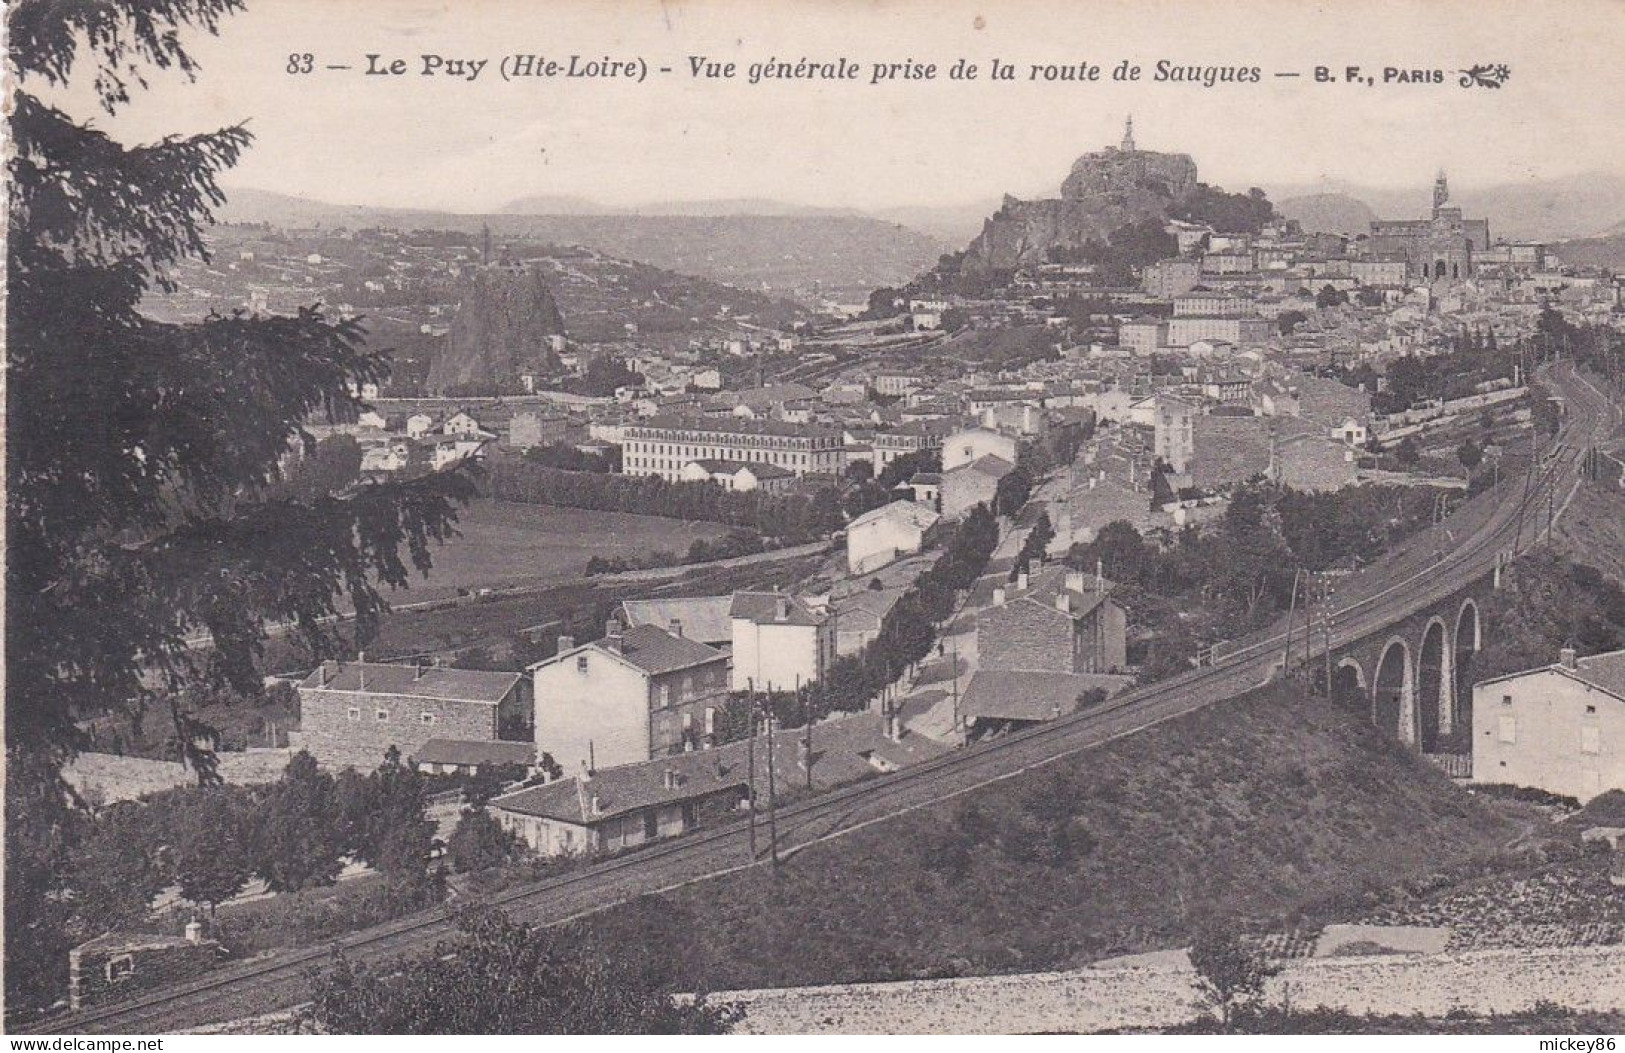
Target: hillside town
{"type": "Point", "coordinates": [1079, 611]}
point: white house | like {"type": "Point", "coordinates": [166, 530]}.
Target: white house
{"type": "Point", "coordinates": [969, 444]}
{"type": "Point", "coordinates": [778, 642]}
{"type": "Point", "coordinates": [418, 425]}
{"type": "Point", "coordinates": [639, 693]}
{"type": "Point", "coordinates": [1560, 728]}
{"type": "Point", "coordinates": [884, 534]}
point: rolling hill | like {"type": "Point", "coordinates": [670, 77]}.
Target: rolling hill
{"type": "Point", "coordinates": [1269, 808]}
{"type": "Point", "coordinates": [789, 254]}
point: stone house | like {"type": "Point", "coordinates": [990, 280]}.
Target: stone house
{"type": "Point", "coordinates": [779, 642]}
{"type": "Point", "coordinates": [885, 534]}
{"type": "Point", "coordinates": [117, 966]}
{"type": "Point", "coordinates": [1560, 728]}
{"type": "Point", "coordinates": [637, 693]}
{"type": "Point", "coordinates": [971, 484]}
{"type": "Point", "coordinates": [858, 618]}
{"type": "Point", "coordinates": [1056, 620]}
{"type": "Point", "coordinates": [351, 713]}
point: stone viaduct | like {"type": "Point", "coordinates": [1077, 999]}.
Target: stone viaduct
{"type": "Point", "coordinates": [1416, 675]}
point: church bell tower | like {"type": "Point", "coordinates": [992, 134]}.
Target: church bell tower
{"type": "Point", "coordinates": [1128, 135]}
{"type": "Point", "coordinates": [1441, 191]}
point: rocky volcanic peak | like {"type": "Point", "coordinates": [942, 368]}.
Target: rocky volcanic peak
{"type": "Point", "coordinates": [1105, 190]}
{"type": "Point", "coordinates": [503, 321]}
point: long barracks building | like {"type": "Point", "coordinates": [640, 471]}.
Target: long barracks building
{"type": "Point", "coordinates": [663, 444]}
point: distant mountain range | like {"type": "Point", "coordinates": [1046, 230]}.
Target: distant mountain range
{"type": "Point", "coordinates": [751, 244]}
{"type": "Point", "coordinates": [1544, 210]}
{"type": "Point", "coordinates": [1328, 213]}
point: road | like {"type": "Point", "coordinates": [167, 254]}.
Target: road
{"type": "Point", "coordinates": [1421, 574]}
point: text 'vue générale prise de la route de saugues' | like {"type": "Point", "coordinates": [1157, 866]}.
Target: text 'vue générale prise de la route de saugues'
{"type": "Point", "coordinates": [530, 66]}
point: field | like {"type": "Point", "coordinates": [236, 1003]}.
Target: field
{"type": "Point", "coordinates": [1272, 810]}
{"type": "Point", "coordinates": [504, 543]}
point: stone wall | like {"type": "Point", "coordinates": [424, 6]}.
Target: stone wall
{"type": "Point", "coordinates": [1090, 1000]}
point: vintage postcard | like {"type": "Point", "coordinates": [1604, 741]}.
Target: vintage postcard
{"type": "Point", "coordinates": [860, 517]}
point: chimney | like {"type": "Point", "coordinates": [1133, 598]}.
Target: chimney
{"type": "Point", "coordinates": [671, 779]}
{"type": "Point", "coordinates": [677, 627]}
{"type": "Point", "coordinates": [998, 596]}
{"type": "Point", "coordinates": [329, 669]}
{"type": "Point", "coordinates": [1062, 603]}
{"type": "Point", "coordinates": [1567, 657]}
{"type": "Point", "coordinates": [194, 931]}
{"type": "Point", "coordinates": [1021, 580]}
{"type": "Point", "coordinates": [612, 634]}
{"type": "Point", "coordinates": [566, 642]}
{"type": "Point", "coordinates": [361, 668]}
{"type": "Point", "coordinates": [781, 608]}
{"type": "Point", "coordinates": [1100, 575]}
{"type": "Point", "coordinates": [1074, 580]}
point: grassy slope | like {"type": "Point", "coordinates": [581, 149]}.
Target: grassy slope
{"type": "Point", "coordinates": [1264, 808]}
{"type": "Point", "coordinates": [508, 543]}
{"type": "Point", "coordinates": [1592, 531]}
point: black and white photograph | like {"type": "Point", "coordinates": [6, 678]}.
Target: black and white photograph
{"type": "Point", "coordinates": [814, 517]}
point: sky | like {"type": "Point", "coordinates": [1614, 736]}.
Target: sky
{"type": "Point", "coordinates": [443, 143]}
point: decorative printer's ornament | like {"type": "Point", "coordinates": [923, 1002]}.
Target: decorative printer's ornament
{"type": "Point", "coordinates": [1485, 76]}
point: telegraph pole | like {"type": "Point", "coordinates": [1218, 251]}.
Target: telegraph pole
{"type": "Point", "coordinates": [750, 751]}
{"type": "Point", "coordinates": [772, 789]}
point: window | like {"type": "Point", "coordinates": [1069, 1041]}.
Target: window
{"type": "Point", "coordinates": [581, 663]}
{"type": "Point", "coordinates": [355, 714]}
{"type": "Point", "coordinates": [427, 718]}
{"type": "Point", "coordinates": [120, 968]}
{"type": "Point", "coordinates": [1506, 700]}
{"type": "Point", "coordinates": [710, 720]}
{"type": "Point", "coordinates": [665, 695]}
{"type": "Point", "coordinates": [1509, 730]}
{"type": "Point", "coordinates": [382, 714]}
{"type": "Point", "coordinates": [1591, 740]}
{"type": "Point", "coordinates": [1590, 710]}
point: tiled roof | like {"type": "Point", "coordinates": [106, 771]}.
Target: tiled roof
{"type": "Point", "coordinates": [629, 787]}
{"type": "Point", "coordinates": [467, 685]}
{"type": "Point", "coordinates": [763, 609]}
{"type": "Point", "coordinates": [1606, 671]}
{"type": "Point", "coordinates": [703, 618]}
{"type": "Point", "coordinates": [841, 750]}
{"type": "Point", "coordinates": [654, 650]}
{"type": "Point", "coordinates": [1021, 695]}
{"type": "Point", "coordinates": [910, 512]}
{"type": "Point", "coordinates": [730, 425]}
{"type": "Point", "coordinates": [471, 752]}
{"type": "Point", "coordinates": [987, 464]}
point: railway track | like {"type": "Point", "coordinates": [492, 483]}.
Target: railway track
{"type": "Point", "coordinates": [279, 982]}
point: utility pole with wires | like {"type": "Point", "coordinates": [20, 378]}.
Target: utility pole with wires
{"type": "Point", "coordinates": [750, 752]}
{"type": "Point", "coordinates": [772, 789]}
